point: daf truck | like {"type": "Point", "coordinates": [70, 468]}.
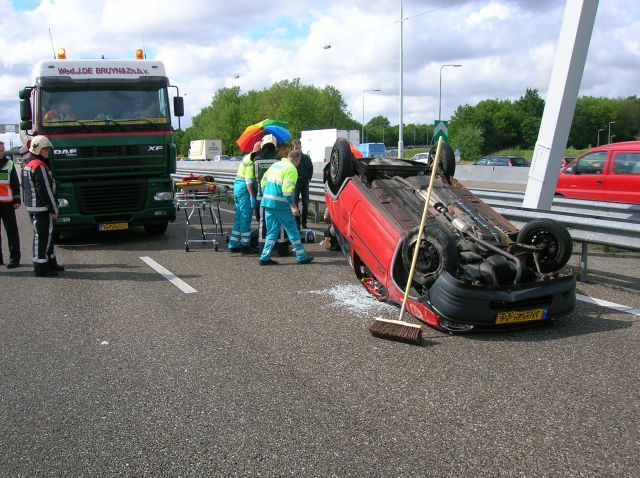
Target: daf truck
{"type": "Point", "coordinates": [113, 152]}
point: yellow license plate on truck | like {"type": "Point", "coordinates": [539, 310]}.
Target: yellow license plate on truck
{"type": "Point", "coordinates": [515, 316]}
{"type": "Point", "coordinates": [114, 226]}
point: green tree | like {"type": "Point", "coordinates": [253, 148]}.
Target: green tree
{"type": "Point", "coordinates": [469, 139]}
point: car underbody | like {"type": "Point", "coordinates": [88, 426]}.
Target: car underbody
{"type": "Point", "coordinates": [474, 269]}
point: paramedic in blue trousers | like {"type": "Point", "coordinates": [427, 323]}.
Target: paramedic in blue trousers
{"type": "Point", "coordinates": [245, 188]}
{"type": "Point", "coordinates": [39, 194]}
{"type": "Point", "coordinates": [278, 184]}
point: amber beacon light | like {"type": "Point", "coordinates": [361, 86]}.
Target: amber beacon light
{"type": "Point", "coordinates": [62, 54]}
{"type": "Point", "coordinates": [139, 54]}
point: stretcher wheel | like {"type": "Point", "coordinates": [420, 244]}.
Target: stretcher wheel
{"type": "Point", "coordinates": [215, 247]}
{"type": "Point", "coordinates": [226, 238]}
{"type": "Point", "coordinates": [310, 236]}
{"type": "Point", "coordinates": [186, 246]}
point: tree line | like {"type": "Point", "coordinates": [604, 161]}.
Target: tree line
{"type": "Point", "coordinates": [491, 125]}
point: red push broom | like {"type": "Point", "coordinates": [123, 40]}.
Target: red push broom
{"type": "Point", "coordinates": [399, 329]}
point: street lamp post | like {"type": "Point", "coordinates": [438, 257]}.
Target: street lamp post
{"type": "Point", "coordinates": [612, 136]}
{"type": "Point", "coordinates": [363, 92]}
{"type": "Point", "coordinates": [440, 95]}
{"type": "Point", "coordinates": [601, 129]}
{"type": "Point", "coordinates": [610, 123]}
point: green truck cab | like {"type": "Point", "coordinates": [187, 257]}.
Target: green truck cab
{"type": "Point", "coordinates": [113, 152]}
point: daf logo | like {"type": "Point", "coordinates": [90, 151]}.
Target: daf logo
{"type": "Point", "coordinates": [65, 152]}
{"type": "Point", "coordinates": [155, 148]}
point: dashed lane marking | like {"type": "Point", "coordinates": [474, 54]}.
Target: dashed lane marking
{"type": "Point", "coordinates": [611, 305]}
{"type": "Point", "coordinates": [167, 274]}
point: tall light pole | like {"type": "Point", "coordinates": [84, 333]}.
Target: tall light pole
{"type": "Point", "coordinates": [612, 136]}
{"type": "Point", "coordinates": [363, 92]}
{"type": "Point", "coordinates": [400, 126]}
{"type": "Point", "coordinates": [440, 96]}
{"type": "Point", "coordinates": [601, 129]}
{"type": "Point", "coordinates": [610, 123]}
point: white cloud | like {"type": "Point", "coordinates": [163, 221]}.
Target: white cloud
{"type": "Point", "coordinates": [504, 46]}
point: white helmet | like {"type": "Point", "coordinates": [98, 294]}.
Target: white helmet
{"type": "Point", "coordinates": [269, 138]}
{"type": "Point", "coordinates": [38, 143]}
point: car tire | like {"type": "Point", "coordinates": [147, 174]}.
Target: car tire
{"type": "Point", "coordinates": [556, 238]}
{"type": "Point", "coordinates": [447, 159]}
{"type": "Point", "coordinates": [437, 254]}
{"type": "Point", "coordinates": [156, 229]}
{"type": "Point", "coordinates": [340, 164]}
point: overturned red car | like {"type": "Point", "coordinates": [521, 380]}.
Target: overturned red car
{"type": "Point", "coordinates": [475, 269]}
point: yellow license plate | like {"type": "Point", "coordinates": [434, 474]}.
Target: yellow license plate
{"type": "Point", "coordinates": [515, 316]}
{"type": "Point", "coordinates": [114, 226]}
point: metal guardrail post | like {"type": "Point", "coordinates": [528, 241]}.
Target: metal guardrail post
{"type": "Point", "coordinates": [584, 255]}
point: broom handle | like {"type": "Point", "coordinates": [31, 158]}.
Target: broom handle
{"type": "Point", "coordinates": [414, 261]}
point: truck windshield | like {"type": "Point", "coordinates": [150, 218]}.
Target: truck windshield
{"type": "Point", "coordinates": [103, 109]}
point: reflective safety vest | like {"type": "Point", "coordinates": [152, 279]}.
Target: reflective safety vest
{"type": "Point", "coordinates": [6, 194]}
{"type": "Point", "coordinates": [278, 184]}
{"type": "Point", "coordinates": [245, 175]}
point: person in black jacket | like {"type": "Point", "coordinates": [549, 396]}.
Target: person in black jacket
{"type": "Point", "coordinates": [9, 202]}
{"type": "Point", "coordinates": [39, 192]}
{"type": "Point", "coordinates": [305, 173]}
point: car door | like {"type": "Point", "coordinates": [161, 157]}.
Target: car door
{"type": "Point", "coordinates": [623, 182]}
{"type": "Point", "coordinates": [585, 178]}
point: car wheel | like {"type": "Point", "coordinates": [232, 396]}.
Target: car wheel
{"type": "Point", "coordinates": [555, 238]}
{"type": "Point", "coordinates": [437, 254]}
{"type": "Point", "coordinates": [156, 229]}
{"type": "Point", "coordinates": [340, 164]}
{"type": "Point", "coordinates": [447, 159]}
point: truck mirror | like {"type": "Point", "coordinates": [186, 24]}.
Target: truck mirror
{"type": "Point", "coordinates": [25, 109]}
{"type": "Point", "coordinates": [178, 106]}
{"type": "Point", "coordinates": [24, 93]}
{"type": "Point", "coordinates": [26, 125]}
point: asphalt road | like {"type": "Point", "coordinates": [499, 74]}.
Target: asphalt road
{"type": "Point", "coordinates": [112, 370]}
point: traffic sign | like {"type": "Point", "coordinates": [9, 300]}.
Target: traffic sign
{"type": "Point", "coordinates": [440, 128]}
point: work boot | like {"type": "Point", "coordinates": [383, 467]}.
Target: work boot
{"type": "Point", "coordinates": [43, 270]}
{"type": "Point", "coordinates": [234, 250]}
{"type": "Point", "coordinates": [268, 262]}
{"type": "Point", "coordinates": [306, 260]}
{"type": "Point", "coordinates": [248, 250]}
{"type": "Point", "coordinates": [13, 263]}
{"type": "Point", "coordinates": [54, 266]}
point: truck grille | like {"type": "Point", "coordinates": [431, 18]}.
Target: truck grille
{"type": "Point", "coordinates": [100, 197]}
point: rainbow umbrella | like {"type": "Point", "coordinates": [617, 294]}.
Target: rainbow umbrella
{"type": "Point", "coordinates": [255, 132]}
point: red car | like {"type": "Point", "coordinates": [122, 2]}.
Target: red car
{"type": "Point", "coordinates": [607, 173]}
{"type": "Point", "coordinates": [475, 270]}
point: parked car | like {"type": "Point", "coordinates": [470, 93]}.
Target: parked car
{"type": "Point", "coordinates": [475, 269]}
{"type": "Point", "coordinates": [236, 158]}
{"type": "Point", "coordinates": [501, 161]}
{"type": "Point", "coordinates": [607, 173]}
{"type": "Point", "coordinates": [420, 157]}
{"type": "Point", "coordinates": [221, 157]}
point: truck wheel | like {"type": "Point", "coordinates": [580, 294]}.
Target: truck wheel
{"type": "Point", "coordinates": [447, 159]}
{"type": "Point", "coordinates": [156, 229]}
{"type": "Point", "coordinates": [437, 254]}
{"type": "Point", "coordinates": [557, 242]}
{"type": "Point", "coordinates": [340, 164]}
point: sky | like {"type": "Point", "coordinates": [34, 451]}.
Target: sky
{"type": "Point", "coordinates": [504, 47]}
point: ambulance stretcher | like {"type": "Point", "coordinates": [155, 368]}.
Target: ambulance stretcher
{"type": "Point", "coordinates": [196, 196]}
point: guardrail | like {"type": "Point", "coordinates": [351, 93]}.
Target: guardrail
{"type": "Point", "coordinates": [589, 222]}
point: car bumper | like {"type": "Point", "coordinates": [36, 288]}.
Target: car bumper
{"type": "Point", "coordinates": [459, 305]}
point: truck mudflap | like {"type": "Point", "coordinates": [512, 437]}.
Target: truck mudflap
{"type": "Point", "coordinates": [459, 305]}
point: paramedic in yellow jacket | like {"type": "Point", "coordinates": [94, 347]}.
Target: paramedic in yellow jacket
{"type": "Point", "coordinates": [245, 188]}
{"type": "Point", "coordinates": [278, 184]}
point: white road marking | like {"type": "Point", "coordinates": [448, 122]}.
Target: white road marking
{"type": "Point", "coordinates": [167, 274]}
{"type": "Point", "coordinates": [611, 305]}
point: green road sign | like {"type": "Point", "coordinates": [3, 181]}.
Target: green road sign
{"type": "Point", "coordinates": [440, 128]}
